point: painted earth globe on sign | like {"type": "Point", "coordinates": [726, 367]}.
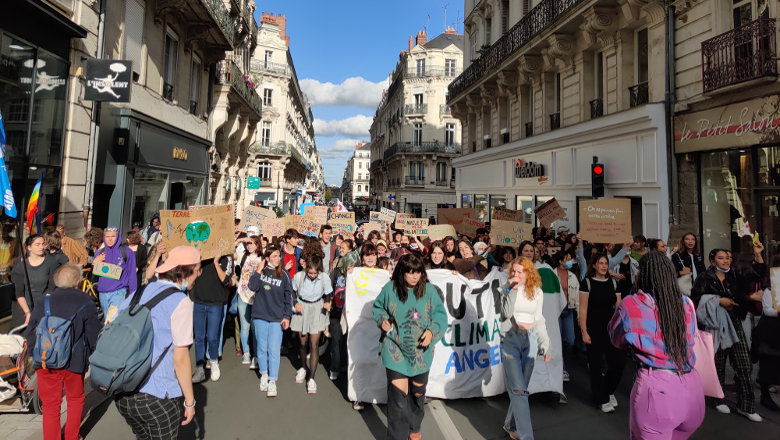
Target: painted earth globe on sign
{"type": "Point", "coordinates": [197, 232]}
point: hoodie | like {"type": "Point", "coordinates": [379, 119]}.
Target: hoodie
{"type": "Point", "coordinates": [273, 295]}
{"type": "Point", "coordinates": [129, 279]}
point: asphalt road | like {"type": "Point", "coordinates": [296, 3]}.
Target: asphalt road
{"type": "Point", "coordinates": [235, 408]}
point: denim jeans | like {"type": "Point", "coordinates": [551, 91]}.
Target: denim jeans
{"type": "Point", "coordinates": [113, 298]}
{"type": "Point", "coordinates": [566, 324]}
{"type": "Point", "coordinates": [269, 341]}
{"type": "Point", "coordinates": [206, 322]}
{"type": "Point", "coordinates": [245, 319]}
{"type": "Point", "coordinates": [336, 337]}
{"type": "Point", "coordinates": [518, 353]}
{"type": "Point", "coordinates": [405, 411]}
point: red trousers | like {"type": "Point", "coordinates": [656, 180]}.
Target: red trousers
{"type": "Point", "coordinates": [50, 386]}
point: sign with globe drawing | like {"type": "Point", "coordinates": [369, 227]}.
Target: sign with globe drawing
{"type": "Point", "coordinates": [206, 228]}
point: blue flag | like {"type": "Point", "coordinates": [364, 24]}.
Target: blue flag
{"type": "Point", "coordinates": [5, 184]}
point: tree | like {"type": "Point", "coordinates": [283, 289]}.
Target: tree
{"type": "Point", "coordinates": [328, 195]}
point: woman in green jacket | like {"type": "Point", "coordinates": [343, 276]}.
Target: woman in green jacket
{"type": "Point", "coordinates": [412, 318]}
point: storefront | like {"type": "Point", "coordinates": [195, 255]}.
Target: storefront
{"type": "Point", "coordinates": [525, 174]}
{"type": "Point", "coordinates": [730, 158]}
{"type": "Point", "coordinates": [148, 166]}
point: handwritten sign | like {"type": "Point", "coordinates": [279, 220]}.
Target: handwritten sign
{"type": "Point", "coordinates": [400, 219]}
{"type": "Point", "coordinates": [455, 216]}
{"type": "Point", "coordinates": [308, 227]}
{"type": "Point", "coordinates": [254, 216]}
{"type": "Point", "coordinates": [107, 270]}
{"type": "Point", "coordinates": [506, 233]}
{"type": "Point", "coordinates": [606, 220]}
{"type": "Point", "coordinates": [469, 226]}
{"type": "Point", "coordinates": [439, 232]}
{"type": "Point", "coordinates": [291, 221]}
{"type": "Point", "coordinates": [368, 227]}
{"type": "Point", "coordinates": [346, 229]}
{"type": "Point", "coordinates": [342, 217]}
{"type": "Point", "coordinates": [319, 214]}
{"type": "Point", "coordinates": [676, 233]}
{"type": "Point", "coordinates": [549, 212]}
{"type": "Point", "coordinates": [205, 227]}
{"type": "Point", "coordinates": [505, 214]}
{"type": "Point", "coordinates": [273, 227]}
{"type": "Point", "coordinates": [416, 226]}
{"type": "Point", "coordinates": [389, 214]}
{"type": "Point", "coordinates": [774, 280]}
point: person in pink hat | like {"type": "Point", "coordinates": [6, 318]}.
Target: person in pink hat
{"type": "Point", "coordinates": [167, 401]}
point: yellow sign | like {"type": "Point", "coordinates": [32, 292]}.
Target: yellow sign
{"type": "Point", "coordinates": [180, 153]}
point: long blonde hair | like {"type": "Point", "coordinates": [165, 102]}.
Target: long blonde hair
{"type": "Point", "coordinates": [532, 279]}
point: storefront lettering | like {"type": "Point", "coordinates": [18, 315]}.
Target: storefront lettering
{"type": "Point", "coordinates": [724, 127]}
{"type": "Point", "coordinates": [528, 169]}
{"type": "Point", "coordinates": [179, 153]}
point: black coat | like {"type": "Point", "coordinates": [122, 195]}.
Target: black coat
{"type": "Point", "coordinates": [682, 260]}
{"type": "Point", "coordinates": [709, 284]}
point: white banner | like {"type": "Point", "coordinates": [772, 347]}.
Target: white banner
{"type": "Point", "coordinates": [467, 362]}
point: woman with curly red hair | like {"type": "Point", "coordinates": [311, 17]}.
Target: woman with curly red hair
{"type": "Point", "coordinates": [523, 337]}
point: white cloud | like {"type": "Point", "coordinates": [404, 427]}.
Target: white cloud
{"type": "Point", "coordinates": [357, 125]}
{"type": "Point", "coordinates": [342, 148]}
{"type": "Point", "coordinates": [355, 91]}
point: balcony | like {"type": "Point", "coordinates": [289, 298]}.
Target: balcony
{"type": "Point", "coordinates": [423, 148]}
{"type": "Point", "coordinates": [442, 182]}
{"type": "Point", "coordinates": [269, 67]}
{"type": "Point", "coordinates": [277, 149]}
{"type": "Point", "coordinates": [529, 129]}
{"type": "Point", "coordinates": [639, 94]}
{"type": "Point", "coordinates": [230, 74]}
{"type": "Point", "coordinates": [220, 14]}
{"type": "Point", "coordinates": [596, 108]}
{"type": "Point", "coordinates": [377, 164]}
{"type": "Point", "coordinates": [445, 110]}
{"type": "Point", "coordinates": [362, 180]}
{"type": "Point", "coordinates": [416, 109]}
{"type": "Point", "coordinates": [414, 72]}
{"type": "Point", "coordinates": [412, 181]}
{"type": "Point", "coordinates": [532, 24]}
{"type": "Point", "coordinates": [743, 54]}
{"type": "Point", "coordinates": [555, 121]}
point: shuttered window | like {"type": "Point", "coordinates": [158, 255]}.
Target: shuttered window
{"type": "Point", "coordinates": [134, 34]}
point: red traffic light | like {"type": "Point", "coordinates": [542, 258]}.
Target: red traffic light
{"type": "Point", "coordinates": [598, 170]}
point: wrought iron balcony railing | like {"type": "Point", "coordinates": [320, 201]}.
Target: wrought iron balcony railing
{"type": "Point", "coordinates": [230, 74]}
{"type": "Point", "coordinates": [413, 181]}
{"type": "Point", "coordinates": [537, 20]}
{"type": "Point", "coordinates": [279, 148]}
{"type": "Point", "coordinates": [416, 109]}
{"type": "Point", "coordinates": [555, 121]}
{"type": "Point", "coordinates": [414, 72]}
{"type": "Point", "coordinates": [375, 165]}
{"type": "Point", "coordinates": [168, 91]}
{"type": "Point", "coordinates": [425, 147]}
{"type": "Point", "coordinates": [442, 182]}
{"type": "Point", "coordinates": [529, 129]}
{"type": "Point", "coordinates": [219, 12]}
{"type": "Point", "coordinates": [267, 66]}
{"type": "Point", "coordinates": [639, 94]}
{"type": "Point", "coordinates": [445, 110]}
{"type": "Point", "coordinates": [742, 54]}
{"type": "Point", "coordinates": [596, 108]}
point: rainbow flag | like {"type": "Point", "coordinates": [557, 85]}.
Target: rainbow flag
{"type": "Point", "coordinates": [33, 211]}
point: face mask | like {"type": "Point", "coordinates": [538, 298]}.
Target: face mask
{"type": "Point", "coordinates": [569, 264]}
{"type": "Point", "coordinates": [722, 270]}
{"type": "Point", "coordinates": [184, 285]}
{"type": "Point", "coordinates": [412, 246]}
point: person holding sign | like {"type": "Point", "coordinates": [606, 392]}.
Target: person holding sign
{"type": "Point", "coordinates": [523, 337]}
{"type": "Point", "coordinates": [113, 292]}
{"type": "Point", "coordinates": [412, 318]}
{"type": "Point", "coordinates": [468, 264]}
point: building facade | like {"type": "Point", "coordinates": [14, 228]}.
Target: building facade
{"type": "Point", "coordinates": [414, 135]}
{"type": "Point", "coordinates": [550, 85]}
{"type": "Point", "coordinates": [355, 183]}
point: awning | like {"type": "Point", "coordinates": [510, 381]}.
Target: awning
{"type": "Point", "coordinates": [40, 24]}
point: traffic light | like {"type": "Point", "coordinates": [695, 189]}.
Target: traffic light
{"type": "Point", "coordinates": [597, 179]}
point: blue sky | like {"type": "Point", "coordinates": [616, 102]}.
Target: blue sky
{"type": "Point", "coordinates": [343, 52]}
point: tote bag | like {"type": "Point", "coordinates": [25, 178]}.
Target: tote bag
{"type": "Point", "coordinates": [705, 364]}
{"type": "Point", "coordinates": [685, 284]}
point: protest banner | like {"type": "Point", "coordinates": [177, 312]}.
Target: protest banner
{"type": "Point", "coordinates": [368, 227]}
{"type": "Point", "coordinates": [509, 215]}
{"type": "Point", "coordinates": [380, 219]}
{"type": "Point", "coordinates": [205, 227]}
{"type": "Point", "coordinates": [308, 227]}
{"type": "Point", "coordinates": [774, 281]}
{"type": "Point", "coordinates": [400, 219]}
{"type": "Point", "coordinates": [389, 215]}
{"type": "Point", "coordinates": [107, 270]}
{"type": "Point", "coordinates": [469, 227]}
{"type": "Point", "coordinates": [319, 214]}
{"type": "Point", "coordinates": [273, 227]}
{"type": "Point", "coordinates": [416, 226]}
{"type": "Point", "coordinates": [455, 216]}
{"type": "Point", "coordinates": [439, 232]}
{"type": "Point", "coordinates": [467, 361]}
{"type": "Point", "coordinates": [549, 212]}
{"type": "Point", "coordinates": [342, 217]}
{"type": "Point", "coordinates": [506, 233]}
{"type": "Point", "coordinates": [291, 221]}
{"type": "Point", "coordinates": [606, 220]}
{"type": "Point", "coordinates": [254, 216]}
{"type": "Point", "coordinates": [676, 233]}
{"type": "Point", "coordinates": [346, 229]}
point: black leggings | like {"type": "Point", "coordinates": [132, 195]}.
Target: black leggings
{"type": "Point", "coordinates": [310, 344]}
{"type": "Point", "coordinates": [405, 411]}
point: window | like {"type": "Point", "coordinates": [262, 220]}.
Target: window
{"type": "Point", "coordinates": [421, 67]}
{"type": "Point", "coordinates": [441, 172]}
{"type": "Point", "coordinates": [264, 171]}
{"type": "Point", "coordinates": [265, 135]}
{"type": "Point", "coordinates": [418, 100]}
{"type": "Point", "coordinates": [195, 85]}
{"type": "Point", "coordinates": [642, 61]}
{"type": "Point", "coordinates": [449, 68]}
{"type": "Point", "coordinates": [360, 188]}
{"type": "Point", "coordinates": [268, 59]}
{"type": "Point", "coordinates": [504, 16]}
{"type": "Point", "coordinates": [449, 134]}
{"type": "Point", "coordinates": [525, 204]}
{"type": "Point", "coordinates": [360, 176]}
{"type": "Point", "coordinates": [745, 11]}
{"type": "Point", "coordinates": [417, 135]}
{"type": "Point", "coordinates": [171, 59]}
{"type": "Point", "coordinates": [488, 31]}
{"type": "Point", "coordinates": [268, 97]}
{"type": "Point", "coordinates": [360, 165]}
{"type": "Point", "coordinates": [474, 46]}
{"type": "Point", "coordinates": [134, 34]}
{"type": "Point", "coordinates": [598, 76]}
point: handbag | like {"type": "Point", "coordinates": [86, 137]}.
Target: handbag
{"type": "Point", "coordinates": [705, 364]}
{"type": "Point", "coordinates": [685, 283]}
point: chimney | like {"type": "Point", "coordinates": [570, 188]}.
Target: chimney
{"type": "Point", "coordinates": [422, 38]}
{"type": "Point", "coordinates": [449, 31]}
{"type": "Point", "coordinates": [280, 21]}
{"type": "Point", "coordinates": [411, 42]}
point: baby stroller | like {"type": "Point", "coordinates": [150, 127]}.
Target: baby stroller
{"type": "Point", "coordinates": [18, 383]}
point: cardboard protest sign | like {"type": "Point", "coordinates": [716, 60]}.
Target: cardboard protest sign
{"type": "Point", "coordinates": [374, 217]}
{"type": "Point", "coordinates": [308, 227]}
{"type": "Point", "coordinates": [455, 216]}
{"type": "Point", "coordinates": [319, 214]}
{"type": "Point", "coordinates": [416, 226]}
{"type": "Point", "coordinates": [273, 227]}
{"type": "Point", "coordinates": [439, 232]}
{"type": "Point", "coordinates": [548, 212]}
{"type": "Point", "coordinates": [107, 270]}
{"type": "Point", "coordinates": [205, 227]}
{"type": "Point", "coordinates": [254, 216]}
{"type": "Point", "coordinates": [506, 233]}
{"type": "Point", "coordinates": [389, 214]}
{"type": "Point", "coordinates": [400, 219]}
{"type": "Point", "coordinates": [368, 227]}
{"type": "Point", "coordinates": [291, 221]}
{"type": "Point", "coordinates": [342, 217]}
{"type": "Point", "coordinates": [774, 280]}
{"type": "Point", "coordinates": [469, 226]}
{"type": "Point", "coordinates": [606, 220]}
{"type": "Point", "coordinates": [346, 229]}
{"type": "Point", "coordinates": [509, 215]}
{"type": "Point", "coordinates": [676, 232]}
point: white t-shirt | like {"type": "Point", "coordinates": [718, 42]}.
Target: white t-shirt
{"type": "Point", "coordinates": [528, 312]}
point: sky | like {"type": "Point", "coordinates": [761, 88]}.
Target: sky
{"type": "Point", "coordinates": [343, 53]}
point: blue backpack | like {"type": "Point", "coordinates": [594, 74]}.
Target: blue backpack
{"type": "Point", "coordinates": [53, 337]}
{"type": "Point", "coordinates": [122, 360]}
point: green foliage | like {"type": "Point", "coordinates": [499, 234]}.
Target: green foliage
{"type": "Point", "coordinates": [278, 211]}
{"type": "Point", "coordinates": [328, 196]}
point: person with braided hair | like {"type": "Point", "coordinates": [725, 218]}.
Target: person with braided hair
{"type": "Point", "coordinates": [658, 325]}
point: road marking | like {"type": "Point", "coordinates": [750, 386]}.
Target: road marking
{"type": "Point", "coordinates": [443, 420]}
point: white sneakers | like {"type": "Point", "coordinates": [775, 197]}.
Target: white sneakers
{"type": "Point", "coordinates": [723, 409]}
{"type": "Point", "coordinates": [214, 370]}
{"type": "Point", "coordinates": [607, 408]}
{"type": "Point", "coordinates": [300, 376]}
{"type": "Point", "coordinates": [311, 387]}
{"type": "Point", "coordinates": [245, 359]}
{"type": "Point", "coordinates": [264, 383]}
{"type": "Point", "coordinates": [753, 417]}
{"type": "Point", "coordinates": [253, 364]}
{"type": "Point", "coordinates": [272, 389]}
{"type": "Point", "coordinates": [613, 400]}
{"type": "Point", "coordinates": [512, 433]}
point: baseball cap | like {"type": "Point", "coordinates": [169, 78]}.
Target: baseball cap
{"type": "Point", "coordinates": [179, 256]}
{"type": "Point", "coordinates": [252, 231]}
{"type": "Point", "coordinates": [562, 229]}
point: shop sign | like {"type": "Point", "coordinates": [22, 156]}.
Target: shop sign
{"type": "Point", "coordinates": [108, 80]}
{"type": "Point", "coordinates": [179, 153]}
{"type": "Point", "coordinates": [528, 169]}
{"type": "Point", "coordinates": [736, 125]}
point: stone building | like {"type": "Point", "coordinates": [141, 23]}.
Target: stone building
{"type": "Point", "coordinates": [414, 135]}
{"type": "Point", "coordinates": [355, 183]}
